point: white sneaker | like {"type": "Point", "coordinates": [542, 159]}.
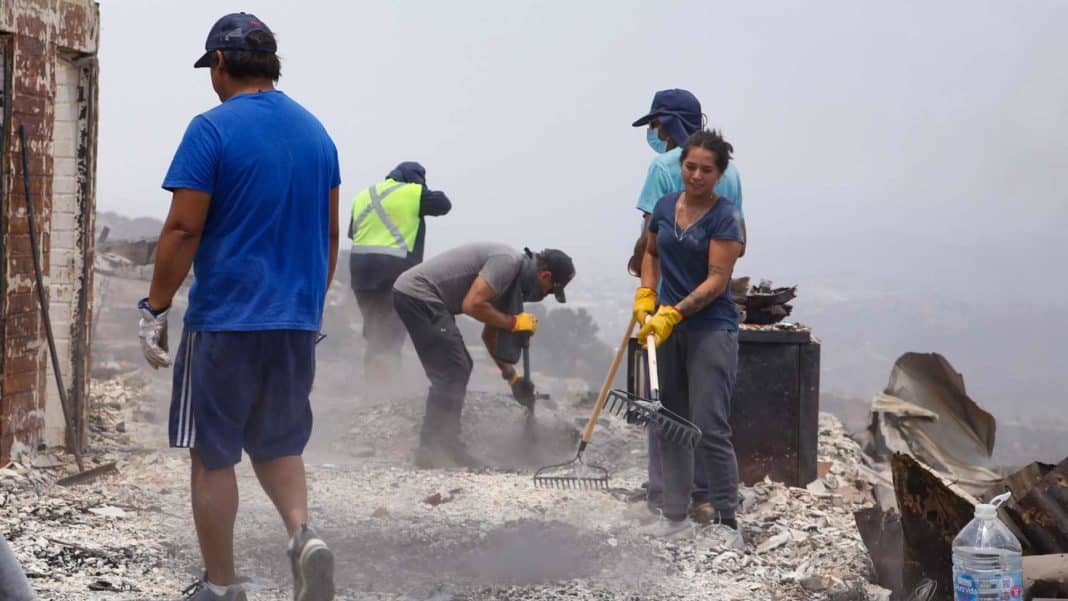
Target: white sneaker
{"type": "Point", "coordinates": [641, 513]}
{"type": "Point", "coordinates": [666, 529]}
{"type": "Point", "coordinates": [723, 537]}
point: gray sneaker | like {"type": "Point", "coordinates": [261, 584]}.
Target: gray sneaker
{"type": "Point", "coordinates": [313, 567]}
{"type": "Point", "coordinates": [723, 537]}
{"type": "Point", "coordinates": [199, 591]}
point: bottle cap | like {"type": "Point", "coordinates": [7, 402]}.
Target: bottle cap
{"type": "Point", "coordinates": [989, 511]}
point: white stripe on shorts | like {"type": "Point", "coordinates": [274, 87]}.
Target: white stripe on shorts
{"type": "Point", "coordinates": [187, 429]}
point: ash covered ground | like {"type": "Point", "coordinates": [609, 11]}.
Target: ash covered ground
{"type": "Point", "coordinates": [402, 533]}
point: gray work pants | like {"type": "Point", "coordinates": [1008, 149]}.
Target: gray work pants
{"type": "Point", "coordinates": [13, 583]}
{"type": "Point", "coordinates": [445, 360]}
{"type": "Point", "coordinates": [383, 332]}
{"type": "Point", "coordinates": [697, 371]}
{"type": "Point", "coordinates": [655, 497]}
{"type": "Point", "coordinates": [382, 328]}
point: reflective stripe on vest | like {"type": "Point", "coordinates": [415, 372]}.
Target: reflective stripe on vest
{"type": "Point", "coordinates": [375, 231]}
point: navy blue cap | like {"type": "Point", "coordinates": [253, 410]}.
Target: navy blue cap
{"type": "Point", "coordinates": [678, 111]}
{"type": "Point", "coordinates": [231, 33]}
{"type": "Point", "coordinates": [408, 172]}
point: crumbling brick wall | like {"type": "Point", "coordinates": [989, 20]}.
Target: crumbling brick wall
{"type": "Point", "coordinates": [48, 50]}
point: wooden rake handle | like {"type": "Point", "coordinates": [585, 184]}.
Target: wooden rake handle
{"type": "Point", "coordinates": [599, 405]}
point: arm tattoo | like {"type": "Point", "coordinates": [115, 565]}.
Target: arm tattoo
{"type": "Point", "coordinates": [695, 301]}
{"type": "Point", "coordinates": [701, 298]}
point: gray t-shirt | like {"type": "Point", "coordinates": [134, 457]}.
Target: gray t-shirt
{"type": "Point", "coordinates": [447, 277]}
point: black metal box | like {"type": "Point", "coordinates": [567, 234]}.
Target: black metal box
{"type": "Point", "coordinates": [775, 412]}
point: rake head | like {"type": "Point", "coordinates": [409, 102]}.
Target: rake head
{"type": "Point", "coordinates": [637, 410]}
{"type": "Point", "coordinates": [574, 474]}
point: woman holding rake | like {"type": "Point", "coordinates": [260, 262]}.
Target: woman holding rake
{"type": "Point", "coordinates": [694, 238]}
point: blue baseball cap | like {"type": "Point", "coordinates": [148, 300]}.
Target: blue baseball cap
{"type": "Point", "coordinates": [678, 111]}
{"type": "Point", "coordinates": [231, 33]}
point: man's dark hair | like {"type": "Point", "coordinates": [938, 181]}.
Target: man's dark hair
{"type": "Point", "coordinates": [248, 64]}
{"type": "Point", "coordinates": [711, 140]}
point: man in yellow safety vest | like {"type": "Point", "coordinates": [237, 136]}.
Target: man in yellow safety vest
{"type": "Point", "coordinates": [388, 233]}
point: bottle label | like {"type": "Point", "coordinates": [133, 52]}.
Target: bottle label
{"type": "Point", "coordinates": [1007, 586]}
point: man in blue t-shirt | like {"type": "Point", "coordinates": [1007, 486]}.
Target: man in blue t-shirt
{"type": "Point", "coordinates": [254, 213]}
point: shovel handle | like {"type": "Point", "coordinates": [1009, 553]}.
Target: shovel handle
{"type": "Point", "coordinates": [599, 405]}
{"type": "Point", "coordinates": [526, 359]}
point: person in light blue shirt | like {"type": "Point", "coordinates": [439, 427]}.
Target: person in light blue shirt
{"type": "Point", "coordinates": [675, 115]}
{"type": "Point", "coordinates": [665, 177]}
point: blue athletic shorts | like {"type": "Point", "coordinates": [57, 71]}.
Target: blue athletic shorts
{"type": "Point", "coordinates": [243, 390]}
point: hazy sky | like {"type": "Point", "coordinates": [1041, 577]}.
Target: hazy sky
{"type": "Point", "coordinates": [918, 149]}
{"type": "Point", "coordinates": [890, 140]}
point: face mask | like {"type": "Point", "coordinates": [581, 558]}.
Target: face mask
{"type": "Point", "coordinates": [530, 283]}
{"type": "Point", "coordinates": [653, 138]}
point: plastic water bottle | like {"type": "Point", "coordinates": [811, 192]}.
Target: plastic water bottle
{"type": "Point", "coordinates": [987, 559]}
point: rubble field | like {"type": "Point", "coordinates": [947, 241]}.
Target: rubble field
{"type": "Point", "coordinates": [399, 533]}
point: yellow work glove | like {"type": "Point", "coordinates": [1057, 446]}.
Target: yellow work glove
{"type": "Point", "coordinates": [512, 379]}
{"type": "Point", "coordinates": [661, 325]}
{"type": "Point", "coordinates": [644, 304]}
{"type": "Point", "coordinates": [525, 322]}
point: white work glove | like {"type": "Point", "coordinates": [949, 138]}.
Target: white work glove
{"type": "Point", "coordinates": [153, 335]}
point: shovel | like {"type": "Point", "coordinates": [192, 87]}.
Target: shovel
{"type": "Point", "coordinates": [577, 473]}
{"type": "Point", "coordinates": [673, 426]}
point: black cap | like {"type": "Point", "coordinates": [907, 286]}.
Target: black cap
{"type": "Point", "coordinates": [561, 267]}
{"type": "Point", "coordinates": [231, 33]}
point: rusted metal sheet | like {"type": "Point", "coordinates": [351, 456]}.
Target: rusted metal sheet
{"type": "Point", "coordinates": [932, 513]}
{"type": "Point", "coordinates": [926, 412]}
{"type": "Point", "coordinates": [880, 529]}
{"type": "Point", "coordinates": [1038, 507]}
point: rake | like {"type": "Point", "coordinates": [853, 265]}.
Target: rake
{"type": "Point", "coordinates": [577, 473]}
{"type": "Point", "coordinates": [671, 425]}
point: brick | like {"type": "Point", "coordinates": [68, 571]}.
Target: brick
{"type": "Point", "coordinates": [24, 363]}
{"type": "Point", "coordinates": [65, 133]}
{"type": "Point", "coordinates": [65, 185]}
{"type": "Point", "coordinates": [17, 346]}
{"type": "Point", "coordinates": [39, 165]}
{"type": "Point", "coordinates": [23, 382]}
{"type": "Point", "coordinates": [27, 106]}
{"type": "Point", "coordinates": [19, 245]}
{"type": "Point", "coordinates": [40, 189]}
{"type": "Point", "coordinates": [64, 167]}
{"type": "Point", "coordinates": [18, 224]}
{"type": "Point", "coordinates": [20, 265]}
{"type": "Point", "coordinates": [60, 296]}
{"type": "Point", "coordinates": [23, 324]}
{"type": "Point", "coordinates": [37, 126]}
{"type": "Point", "coordinates": [63, 220]}
{"type": "Point", "coordinates": [23, 302]}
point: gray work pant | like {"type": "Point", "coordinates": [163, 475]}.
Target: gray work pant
{"type": "Point", "coordinates": [697, 371]}
{"type": "Point", "coordinates": [445, 360]}
{"type": "Point", "coordinates": [13, 583]}
{"type": "Point", "coordinates": [382, 328]}
{"type": "Point", "coordinates": [655, 498]}
{"type": "Point", "coordinates": [384, 333]}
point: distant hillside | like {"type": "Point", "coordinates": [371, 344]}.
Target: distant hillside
{"type": "Point", "coordinates": [127, 228]}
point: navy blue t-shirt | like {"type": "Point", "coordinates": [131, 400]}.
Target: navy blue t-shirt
{"type": "Point", "coordinates": [269, 166]}
{"type": "Point", "coordinates": [684, 259]}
